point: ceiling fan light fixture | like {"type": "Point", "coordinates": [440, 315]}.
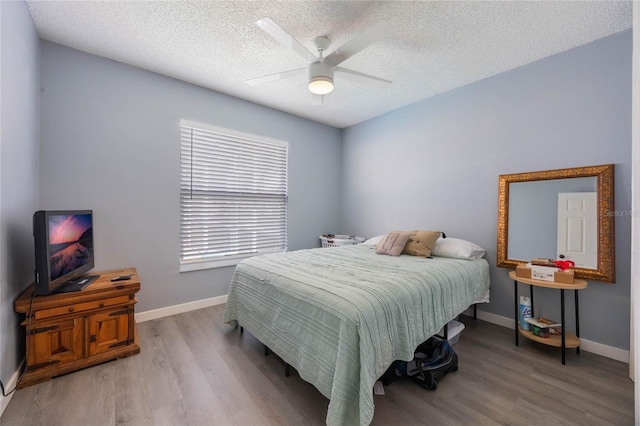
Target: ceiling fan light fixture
{"type": "Point", "coordinates": [322, 69]}
{"type": "Point", "coordinates": [320, 78]}
{"type": "Point", "coordinates": [321, 85]}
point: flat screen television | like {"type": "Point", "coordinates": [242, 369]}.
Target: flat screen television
{"type": "Point", "coordinates": [64, 250]}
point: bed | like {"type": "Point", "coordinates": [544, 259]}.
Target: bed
{"type": "Point", "coordinates": [340, 316]}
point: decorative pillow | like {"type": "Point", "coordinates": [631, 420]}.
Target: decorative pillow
{"type": "Point", "coordinates": [373, 240]}
{"type": "Point", "coordinates": [457, 248]}
{"type": "Point", "coordinates": [421, 243]}
{"type": "Point", "coordinates": [392, 243]}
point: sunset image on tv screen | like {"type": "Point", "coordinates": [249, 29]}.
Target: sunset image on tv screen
{"type": "Point", "coordinates": [70, 243]}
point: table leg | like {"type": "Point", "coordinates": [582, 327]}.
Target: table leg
{"type": "Point", "coordinates": [517, 316]}
{"type": "Point", "coordinates": [577, 321]}
{"type": "Point", "coordinates": [564, 324]}
{"type": "Point", "coordinates": [531, 297]}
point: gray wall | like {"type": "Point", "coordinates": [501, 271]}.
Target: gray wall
{"type": "Point", "coordinates": [110, 142]}
{"type": "Point", "coordinates": [19, 74]}
{"type": "Point", "coordinates": [435, 164]}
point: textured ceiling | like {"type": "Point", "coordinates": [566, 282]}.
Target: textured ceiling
{"type": "Point", "coordinates": [434, 46]}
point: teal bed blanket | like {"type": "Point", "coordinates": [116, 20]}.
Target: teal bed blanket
{"type": "Point", "coordinates": [340, 316]}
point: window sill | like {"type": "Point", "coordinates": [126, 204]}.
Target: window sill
{"type": "Point", "coordinates": [218, 263]}
{"type": "Point", "coordinates": [212, 264]}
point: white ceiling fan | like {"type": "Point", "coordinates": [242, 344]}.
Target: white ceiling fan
{"type": "Point", "coordinates": [322, 68]}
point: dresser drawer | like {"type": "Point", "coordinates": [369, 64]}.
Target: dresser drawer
{"type": "Point", "coordinates": [80, 307]}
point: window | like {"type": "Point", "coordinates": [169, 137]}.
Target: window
{"type": "Point", "coordinates": [233, 196]}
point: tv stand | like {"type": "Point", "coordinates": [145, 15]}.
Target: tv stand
{"type": "Point", "coordinates": [77, 284]}
{"type": "Point", "coordinates": [69, 331]}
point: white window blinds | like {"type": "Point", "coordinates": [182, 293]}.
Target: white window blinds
{"type": "Point", "coordinates": [233, 196]}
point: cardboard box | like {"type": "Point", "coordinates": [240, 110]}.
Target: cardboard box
{"type": "Point", "coordinates": [543, 273]}
{"type": "Point", "coordinates": [563, 277]}
{"type": "Point", "coordinates": [522, 271]}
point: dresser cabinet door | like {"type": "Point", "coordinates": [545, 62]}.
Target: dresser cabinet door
{"type": "Point", "coordinates": [108, 330]}
{"type": "Point", "coordinates": [55, 343]}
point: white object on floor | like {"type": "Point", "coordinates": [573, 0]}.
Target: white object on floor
{"type": "Point", "coordinates": [378, 388]}
{"type": "Point", "coordinates": [453, 333]}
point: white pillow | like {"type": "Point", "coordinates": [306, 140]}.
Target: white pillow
{"type": "Point", "coordinates": [457, 248]}
{"type": "Point", "coordinates": [374, 240]}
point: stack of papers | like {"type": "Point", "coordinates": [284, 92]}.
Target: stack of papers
{"type": "Point", "coordinates": [540, 324]}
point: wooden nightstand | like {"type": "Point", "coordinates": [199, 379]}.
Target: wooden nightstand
{"type": "Point", "coordinates": [566, 339]}
{"type": "Point", "coordinates": [69, 331]}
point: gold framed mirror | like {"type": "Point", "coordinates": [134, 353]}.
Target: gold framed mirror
{"type": "Point", "coordinates": [604, 268]}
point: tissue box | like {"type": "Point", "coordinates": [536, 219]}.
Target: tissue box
{"type": "Point", "coordinates": [544, 273]}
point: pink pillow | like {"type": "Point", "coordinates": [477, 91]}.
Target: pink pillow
{"type": "Point", "coordinates": [393, 243]}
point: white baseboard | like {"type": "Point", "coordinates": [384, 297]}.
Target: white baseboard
{"type": "Point", "coordinates": [604, 350]}
{"type": "Point", "coordinates": [587, 345]}
{"type": "Point", "coordinates": [140, 317]}
{"type": "Point", "coordinates": [13, 381]}
{"type": "Point", "coordinates": [617, 354]}
{"type": "Point", "coordinates": [179, 309]}
{"type": "Point", "coordinates": [492, 318]}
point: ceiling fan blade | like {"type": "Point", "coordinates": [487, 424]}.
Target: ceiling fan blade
{"type": "Point", "coordinates": [276, 77]}
{"type": "Point", "coordinates": [283, 37]}
{"type": "Point", "coordinates": [359, 42]}
{"type": "Point", "coordinates": [359, 77]}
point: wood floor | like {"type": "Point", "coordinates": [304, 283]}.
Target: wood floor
{"type": "Point", "coordinates": [195, 370]}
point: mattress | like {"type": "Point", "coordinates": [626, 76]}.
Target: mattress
{"type": "Point", "coordinates": [340, 316]}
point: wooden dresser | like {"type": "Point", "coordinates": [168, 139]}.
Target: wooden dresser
{"type": "Point", "coordinates": [69, 331]}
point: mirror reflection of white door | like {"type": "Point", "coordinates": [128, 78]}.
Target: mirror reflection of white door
{"type": "Point", "coordinates": [578, 228]}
